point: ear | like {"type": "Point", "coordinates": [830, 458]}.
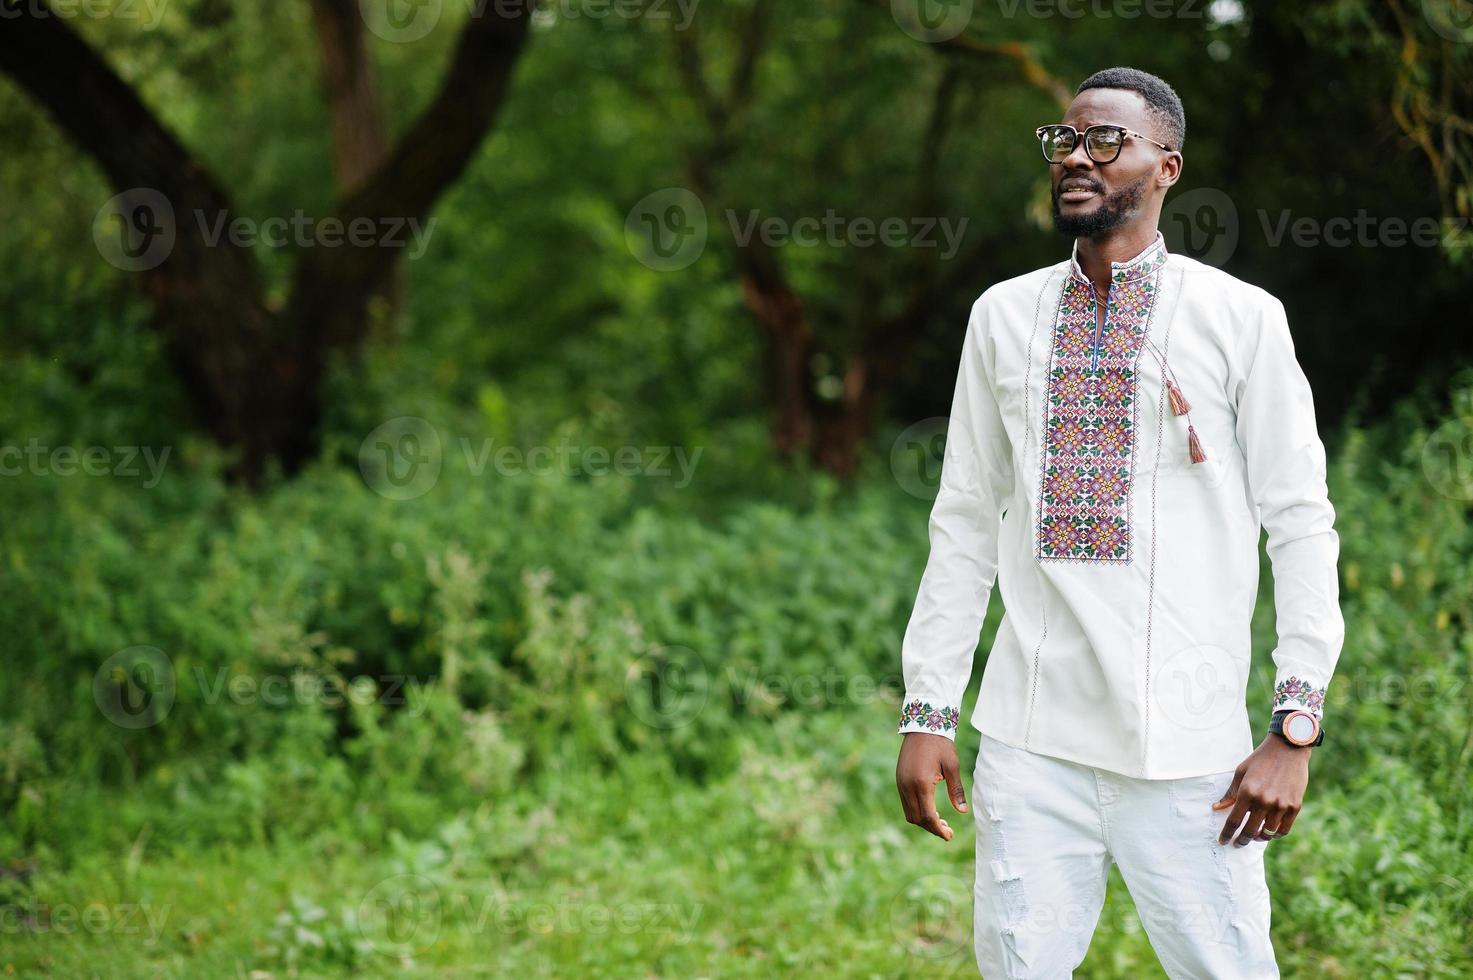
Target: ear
{"type": "Point", "coordinates": [1170, 170]}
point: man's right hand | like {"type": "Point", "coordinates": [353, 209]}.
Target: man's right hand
{"type": "Point", "coordinates": [926, 760]}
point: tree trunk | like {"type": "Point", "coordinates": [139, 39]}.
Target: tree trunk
{"type": "Point", "coordinates": [253, 376]}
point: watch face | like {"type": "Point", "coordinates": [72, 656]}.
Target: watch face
{"type": "Point", "coordinates": [1299, 728]}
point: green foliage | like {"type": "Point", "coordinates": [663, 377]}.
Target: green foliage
{"type": "Point", "coordinates": [608, 706]}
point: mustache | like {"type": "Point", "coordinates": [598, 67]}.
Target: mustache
{"type": "Point", "coordinates": [1084, 180]}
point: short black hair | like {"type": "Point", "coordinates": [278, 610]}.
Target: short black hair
{"type": "Point", "coordinates": [1161, 99]}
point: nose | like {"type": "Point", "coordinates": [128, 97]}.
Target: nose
{"type": "Point", "coordinates": [1077, 159]}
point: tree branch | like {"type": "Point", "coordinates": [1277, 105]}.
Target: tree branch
{"type": "Point", "coordinates": [331, 285]}
{"type": "Point", "coordinates": [358, 138]}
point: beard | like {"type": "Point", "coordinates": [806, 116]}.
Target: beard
{"type": "Point", "coordinates": [1113, 211]}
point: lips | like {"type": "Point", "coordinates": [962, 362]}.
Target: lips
{"type": "Point", "coordinates": [1075, 191]}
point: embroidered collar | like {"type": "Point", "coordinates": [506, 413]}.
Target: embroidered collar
{"type": "Point", "coordinates": [1150, 259]}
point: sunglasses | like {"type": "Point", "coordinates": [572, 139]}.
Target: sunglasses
{"type": "Point", "coordinates": [1102, 143]}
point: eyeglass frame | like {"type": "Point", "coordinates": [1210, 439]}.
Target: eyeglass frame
{"type": "Point", "coordinates": [1083, 135]}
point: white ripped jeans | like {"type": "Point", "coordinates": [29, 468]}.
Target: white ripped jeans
{"type": "Point", "coordinates": [1047, 832]}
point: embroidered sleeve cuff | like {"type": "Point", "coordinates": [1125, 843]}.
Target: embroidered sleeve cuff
{"type": "Point", "coordinates": [923, 716]}
{"type": "Point", "coordinates": [1294, 692]}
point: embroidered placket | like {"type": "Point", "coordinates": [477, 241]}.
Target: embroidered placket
{"type": "Point", "coordinates": [1090, 413]}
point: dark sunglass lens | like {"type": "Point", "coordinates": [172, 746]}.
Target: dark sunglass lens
{"type": "Point", "coordinates": [1058, 143]}
{"type": "Point", "coordinates": [1104, 144]}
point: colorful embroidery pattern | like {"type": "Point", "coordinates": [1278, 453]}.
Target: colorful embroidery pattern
{"type": "Point", "coordinates": [1294, 690]}
{"type": "Point", "coordinates": [922, 715]}
{"type": "Point", "coordinates": [1089, 415]}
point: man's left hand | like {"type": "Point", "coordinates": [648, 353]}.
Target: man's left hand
{"type": "Point", "coordinates": [1267, 789]}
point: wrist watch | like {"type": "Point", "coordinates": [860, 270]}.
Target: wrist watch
{"type": "Point", "coordinates": [1298, 727]}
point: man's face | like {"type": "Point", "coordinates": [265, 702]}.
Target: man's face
{"type": "Point", "coordinates": [1091, 198]}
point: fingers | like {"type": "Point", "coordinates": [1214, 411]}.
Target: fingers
{"type": "Point", "coordinates": [1270, 829]}
{"type": "Point", "coordinates": [1267, 819]}
{"type": "Point", "coordinates": [920, 809]}
{"type": "Point", "coordinates": [954, 789]}
{"type": "Point", "coordinates": [918, 798]}
{"type": "Point", "coordinates": [1234, 821]}
{"type": "Point", "coordinates": [1231, 795]}
{"type": "Point", "coordinates": [1251, 829]}
{"type": "Point", "coordinates": [931, 820]}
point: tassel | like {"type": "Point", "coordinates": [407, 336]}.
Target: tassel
{"type": "Point", "coordinates": [1179, 404]}
{"type": "Point", "coordinates": [1198, 456]}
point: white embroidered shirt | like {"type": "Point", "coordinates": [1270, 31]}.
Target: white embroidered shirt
{"type": "Point", "coordinates": [1128, 571]}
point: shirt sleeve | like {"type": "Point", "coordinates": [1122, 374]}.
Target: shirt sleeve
{"type": "Point", "coordinates": [1286, 474]}
{"type": "Point", "coordinates": [965, 522]}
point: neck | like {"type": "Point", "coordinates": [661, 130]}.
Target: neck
{"type": "Point", "coordinates": [1118, 245]}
